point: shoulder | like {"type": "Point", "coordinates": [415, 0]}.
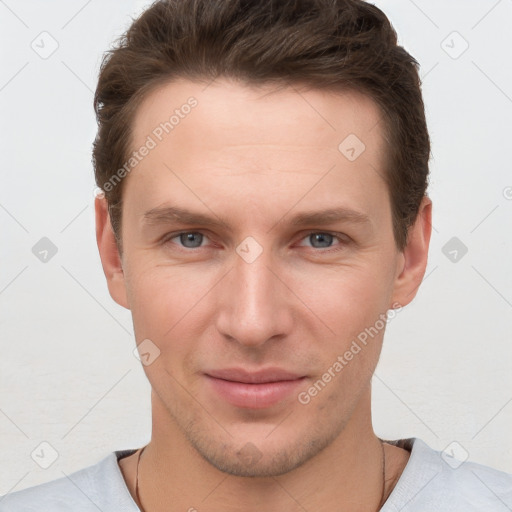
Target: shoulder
{"type": "Point", "coordinates": [97, 487]}
{"type": "Point", "coordinates": [435, 480]}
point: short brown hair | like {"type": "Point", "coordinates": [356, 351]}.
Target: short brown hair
{"type": "Point", "coordinates": [326, 44]}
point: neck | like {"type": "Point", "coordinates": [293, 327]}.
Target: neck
{"type": "Point", "coordinates": [347, 474]}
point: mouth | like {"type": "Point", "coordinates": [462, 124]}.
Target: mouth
{"type": "Point", "coordinates": [253, 390]}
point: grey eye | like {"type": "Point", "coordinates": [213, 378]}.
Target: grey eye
{"type": "Point", "coordinates": [191, 239]}
{"type": "Point", "coordinates": [324, 239]}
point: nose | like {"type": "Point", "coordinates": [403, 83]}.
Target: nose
{"type": "Point", "coordinates": [254, 304]}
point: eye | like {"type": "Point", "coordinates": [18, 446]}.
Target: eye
{"type": "Point", "coordinates": [188, 239]}
{"type": "Point", "coordinates": [319, 240]}
{"type": "Point", "coordinates": [323, 240]}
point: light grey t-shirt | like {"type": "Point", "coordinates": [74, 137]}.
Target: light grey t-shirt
{"type": "Point", "coordinates": [430, 482]}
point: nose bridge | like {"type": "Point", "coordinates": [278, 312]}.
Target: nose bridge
{"type": "Point", "coordinates": [252, 308]}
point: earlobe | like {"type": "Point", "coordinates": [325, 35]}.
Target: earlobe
{"type": "Point", "coordinates": [413, 259]}
{"type": "Point", "coordinates": [109, 253]}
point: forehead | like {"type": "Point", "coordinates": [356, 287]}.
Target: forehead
{"type": "Point", "coordinates": [227, 137]}
{"type": "Point", "coordinates": [231, 112]}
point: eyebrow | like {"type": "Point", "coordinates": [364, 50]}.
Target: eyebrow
{"type": "Point", "coordinates": [174, 214]}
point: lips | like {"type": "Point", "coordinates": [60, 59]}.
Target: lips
{"type": "Point", "coordinates": [254, 390]}
{"type": "Point", "coordinates": [257, 377]}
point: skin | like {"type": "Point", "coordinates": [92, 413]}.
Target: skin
{"type": "Point", "coordinates": [255, 157]}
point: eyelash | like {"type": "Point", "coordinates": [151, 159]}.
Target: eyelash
{"type": "Point", "coordinates": [167, 239]}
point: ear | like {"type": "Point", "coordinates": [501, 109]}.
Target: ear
{"type": "Point", "coordinates": [413, 258]}
{"type": "Point", "coordinates": [109, 253]}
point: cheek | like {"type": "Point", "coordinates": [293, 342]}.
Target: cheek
{"type": "Point", "coordinates": [346, 300]}
{"type": "Point", "coordinates": [162, 295]}
{"type": "Point", "coordinates": [351, 305]}
{"type": "Point", "coordinates": [170, 308]}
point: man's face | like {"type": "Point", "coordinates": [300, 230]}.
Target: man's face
{"type": "Point", "coordinates": [258, 290]}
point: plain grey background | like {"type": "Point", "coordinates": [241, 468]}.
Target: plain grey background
{"type": "Point", "coordinates": [68, 376]}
